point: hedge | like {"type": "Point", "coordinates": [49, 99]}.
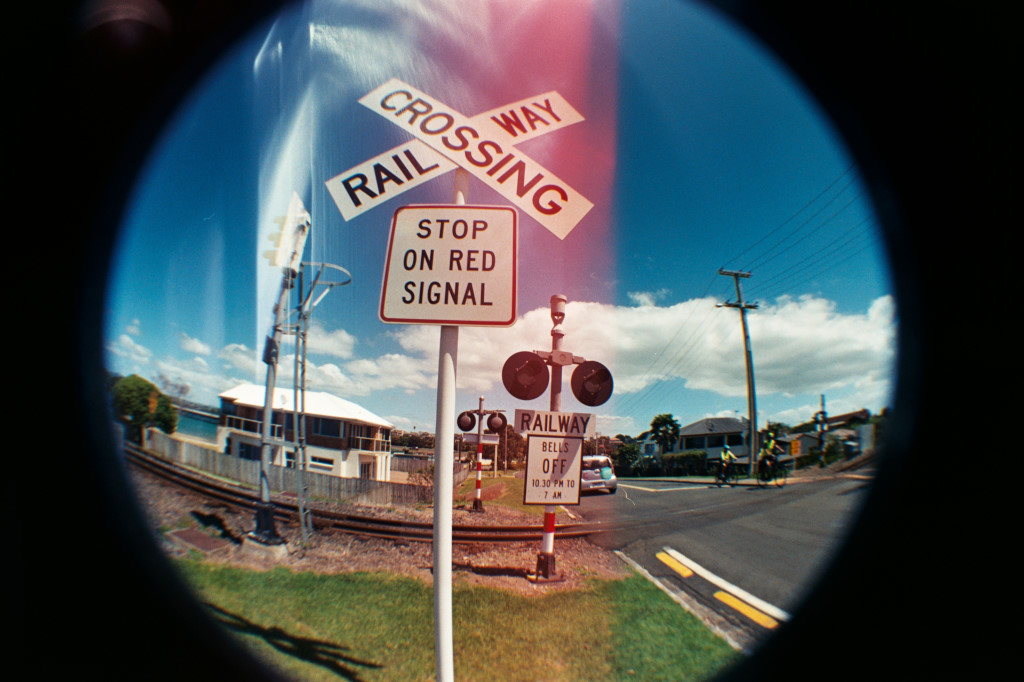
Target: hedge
{"type": "Point", "coordinates": [685, 463]}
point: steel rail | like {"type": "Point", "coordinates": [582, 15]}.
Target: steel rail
{"type": "Point", "coordinates": [241, 498]}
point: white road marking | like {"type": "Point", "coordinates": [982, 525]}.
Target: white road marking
{"type": "Point", "coordinates": [701, 612]}
{"type": "Point", "coordinates": [773, 611]}
{"type": "Point", "coordinates": [661, 490]}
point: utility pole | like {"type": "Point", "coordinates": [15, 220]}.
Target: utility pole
{"type": "Point", "coordinates": [821, 422]}
{"type": "Point", "coordinates": [751, 399]}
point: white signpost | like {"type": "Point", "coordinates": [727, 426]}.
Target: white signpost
{"type": "Point", "coordinates": [451, 265]}
{"type": "Point", "coordinates": [456, 265]}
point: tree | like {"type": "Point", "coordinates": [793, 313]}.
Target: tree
{"type": "Point", "coordinates": [139, 403]}
{"type": "Point", "coordinates": [665, 431]}
{"type": "Point", "coordinates": [626, 456]}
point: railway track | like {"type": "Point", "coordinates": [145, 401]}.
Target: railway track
{"type": "Point", "coordinates": [328, 520]}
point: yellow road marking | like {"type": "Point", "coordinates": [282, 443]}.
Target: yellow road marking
{"type": "Point", "coordinates": [672, 563]}
{"type": "Point", "coordinates": [747, 610]}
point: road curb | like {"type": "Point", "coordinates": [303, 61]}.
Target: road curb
{"type": "Point", "coordinates": [709, 618]}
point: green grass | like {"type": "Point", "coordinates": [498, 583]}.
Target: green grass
{"type": "Point", "coordinates": [381, 627]}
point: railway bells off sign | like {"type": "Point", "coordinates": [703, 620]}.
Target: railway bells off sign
{"type": "Point", "coordinates": [484, 145]}
{"type": "Point", "coordinates": [554, 454]}
{"type": "Point", "coordinates": [451, 265]}
{"type": "Point", "coordinates": [553, 470]}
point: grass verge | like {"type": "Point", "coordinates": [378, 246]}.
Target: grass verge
{"type": "Point", "coordinates": [377, 626]}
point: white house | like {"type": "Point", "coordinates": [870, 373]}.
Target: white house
{"type": "Point", "coordinates": [342, 438]}
{"type": "Point", "coordinates": [710, 434]}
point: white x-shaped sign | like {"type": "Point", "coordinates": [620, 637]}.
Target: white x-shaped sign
{"type": "Point", "coordinates": [484, 145]}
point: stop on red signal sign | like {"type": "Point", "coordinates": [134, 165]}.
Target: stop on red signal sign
{"type": "Point", "coordinates": [451, 265]}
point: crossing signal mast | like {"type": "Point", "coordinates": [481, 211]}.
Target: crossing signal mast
{"type": "Point", "coordinates": [291, 242]}
{"type": "Point", "coordinates": [495, 422]}
{"type": "Point", "coordinates": [526, 375]}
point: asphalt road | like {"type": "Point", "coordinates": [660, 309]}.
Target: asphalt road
{"type": "Point", "coordinates": [742, 557]}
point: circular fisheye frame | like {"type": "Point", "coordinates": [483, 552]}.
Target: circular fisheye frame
{"type": "Point", "coordinates": [734, 236]}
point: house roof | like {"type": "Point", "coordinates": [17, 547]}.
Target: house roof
{"type": "Point", "coordinates": [317, 403]}
{"type": "Point", "coordinates": [715, 425]}
{"type": "Point", "coordinates": [858, 415]}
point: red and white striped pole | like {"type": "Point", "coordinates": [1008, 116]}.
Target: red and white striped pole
{"type": "Point", "coordinates": [478, 503]}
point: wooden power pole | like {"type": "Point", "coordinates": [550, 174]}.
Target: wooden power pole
{"type": "Point", "coordinates": [751, 398]}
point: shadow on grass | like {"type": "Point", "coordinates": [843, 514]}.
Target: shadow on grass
{"type": "Point", "coordinates": [491, 570]}
{"type": "Point", "coordinates": [324, 654]}
{"type": "Point", "coordinates": [214, 521]}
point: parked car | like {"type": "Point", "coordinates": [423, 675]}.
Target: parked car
{"type": "Point", "coordinates": [598, 474]}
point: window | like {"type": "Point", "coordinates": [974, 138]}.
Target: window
{"type": "Point", "coordinates": [734, 439]}
{"type": "Point", "coordinates": [694, 443]}
{"type": "Point", "coordinates": [716, 441]}
{"type": "Point", "coordinates": [325, 463]}
{"type": "Point", "coordinates": [322, 426]}
{"type": "Point", "coordinates": [247, 451]}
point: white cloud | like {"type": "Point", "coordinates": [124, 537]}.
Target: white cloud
{"type": "Point", "coordinates": [647, 298]}
{"type": "Point", "coordinates": [126, 347]}
{"type": "Point", "coordinates": [798, 345]}
{"type": "Point", "coordinates": [238, 356]}
{"type": "Point", "coordinates": [338, 343]}
{"type": "Point", "coordinates": [203, 385]}
{"type": "Point", "coordinates": [190, 345]}
{"type": "Point", "coordinates": [135, 328]}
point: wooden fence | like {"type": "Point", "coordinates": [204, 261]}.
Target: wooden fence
{"type": "Point", "coordinates": [284, 480]}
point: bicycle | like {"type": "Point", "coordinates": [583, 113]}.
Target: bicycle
{"type": "Point", "coordinates": [771, 471]}
{"type": "Point", "coordinates": [725, 474]}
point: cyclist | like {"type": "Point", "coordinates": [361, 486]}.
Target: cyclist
{"type": "Point", "coordinates": [766, 459]}
{"type": "Point", "coordinates": [728, 460]}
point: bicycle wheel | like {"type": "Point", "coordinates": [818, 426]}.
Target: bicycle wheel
{"type": "Point", "coordinates": [761, 475]}
{"type": "Point", "coordinates": [781, 475]}
{"type": "Point", "coordinates": [734, 475]}
{"type": "Point", "coordinates": [716, 473]}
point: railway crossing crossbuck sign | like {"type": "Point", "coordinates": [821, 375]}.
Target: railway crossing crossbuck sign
{"type": "Point", "coordinates": [484, 145]}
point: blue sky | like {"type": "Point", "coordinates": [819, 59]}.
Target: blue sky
{"type": "Point", "coordinates": [698, 151]}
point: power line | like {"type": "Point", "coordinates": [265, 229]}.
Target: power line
{"type": "Point", "coordinates": [798, 212]}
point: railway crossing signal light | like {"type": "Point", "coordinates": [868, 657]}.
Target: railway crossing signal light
{"type": "Point", "coordinates": [525, 375]}
{"type": "Point", "coordinates": [496, 422]}
{"type": "Point", "coordinates": [466, 421]}
{"type": "Point", "coordinates": [592, 383]}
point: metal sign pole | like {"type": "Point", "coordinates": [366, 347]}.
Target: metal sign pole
{"type": "Point", "coordinates": [444, 464]}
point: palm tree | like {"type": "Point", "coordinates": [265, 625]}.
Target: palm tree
{"type": "Point", "coordinates": [665, 431]}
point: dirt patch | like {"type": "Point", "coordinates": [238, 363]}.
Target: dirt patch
{"type": "Point", "coordinates": [499, 565]}
{"type": "Point", "coordinates": [491, 492]}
